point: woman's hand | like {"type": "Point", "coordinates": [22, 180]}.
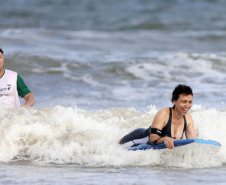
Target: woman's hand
{"type": "Point", "coordinates": [168, 141]}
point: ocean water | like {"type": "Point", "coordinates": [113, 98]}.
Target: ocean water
{"type": "Point", "coordinates": [99, 69]}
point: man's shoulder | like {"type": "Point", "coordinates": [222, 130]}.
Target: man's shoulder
{"type": "Point", "coordinates": [10, 71]}
{"type": "Point", "coordinates": [10, 74]}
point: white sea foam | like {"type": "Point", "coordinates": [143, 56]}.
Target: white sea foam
{"type": "Point", "coordinates": [63, 135]}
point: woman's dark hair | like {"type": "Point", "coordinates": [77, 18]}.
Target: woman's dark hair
{"type": "Point", "coordinates": [181, 89]}
{"type": "Point", "coordinates": [1, 50]}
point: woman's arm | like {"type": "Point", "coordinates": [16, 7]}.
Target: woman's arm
{"type": "Point", "coordinates": [159, 122]}
{"type": "Point", "coordinates": [190, 129]}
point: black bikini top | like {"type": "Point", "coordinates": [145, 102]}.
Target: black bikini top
{"type": "Point", "coordinates": [167, 129]}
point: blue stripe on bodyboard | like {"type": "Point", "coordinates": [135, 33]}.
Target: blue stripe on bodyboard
{"type": "Point", "coordinates": [207, 142]}
{"type": "Point", "coordinates": [177, 143]}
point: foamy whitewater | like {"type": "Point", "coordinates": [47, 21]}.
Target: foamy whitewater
{"type": "Point", "coordinates": [98, 70]}
{"type": "Point", "coordinates": [62, 135]}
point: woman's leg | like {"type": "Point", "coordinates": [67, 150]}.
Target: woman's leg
{"type": "Point", "coordinates": [138, 136]}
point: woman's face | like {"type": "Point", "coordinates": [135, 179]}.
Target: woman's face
{"type": "Point", "coordinates": [183, 103]}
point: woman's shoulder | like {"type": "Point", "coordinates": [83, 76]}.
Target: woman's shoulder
{"type": "Point", "coordinates": [189, 118]}
{"type": "Point", "coordinates": [161, 118]}
{"type": "Point", "coordinates": [164, 112]}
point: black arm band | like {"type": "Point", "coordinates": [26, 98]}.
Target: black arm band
{"type": "Point", "coordinates": [156, 131]}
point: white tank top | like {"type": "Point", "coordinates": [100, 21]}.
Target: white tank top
{"type": "Point", "coordinates": [8, 90]}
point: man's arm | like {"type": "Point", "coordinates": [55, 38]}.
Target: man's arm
{"type": "Point", "coordinates": [29, 100]}
{"type": "Point", "coordinates": [25, 93]}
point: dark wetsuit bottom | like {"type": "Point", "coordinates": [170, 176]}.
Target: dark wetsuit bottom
{"type": "Point", "coordinates": [138, 136]}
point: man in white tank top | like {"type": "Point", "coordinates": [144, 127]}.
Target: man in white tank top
{"type": "Point", "coordinates": [12, 87]}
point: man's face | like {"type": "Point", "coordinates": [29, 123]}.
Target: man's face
{"type": "Point", "coordinates": [1, 61]}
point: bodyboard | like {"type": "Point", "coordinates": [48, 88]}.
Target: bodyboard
{"type": "Point", "coordinates": [177, 143]}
